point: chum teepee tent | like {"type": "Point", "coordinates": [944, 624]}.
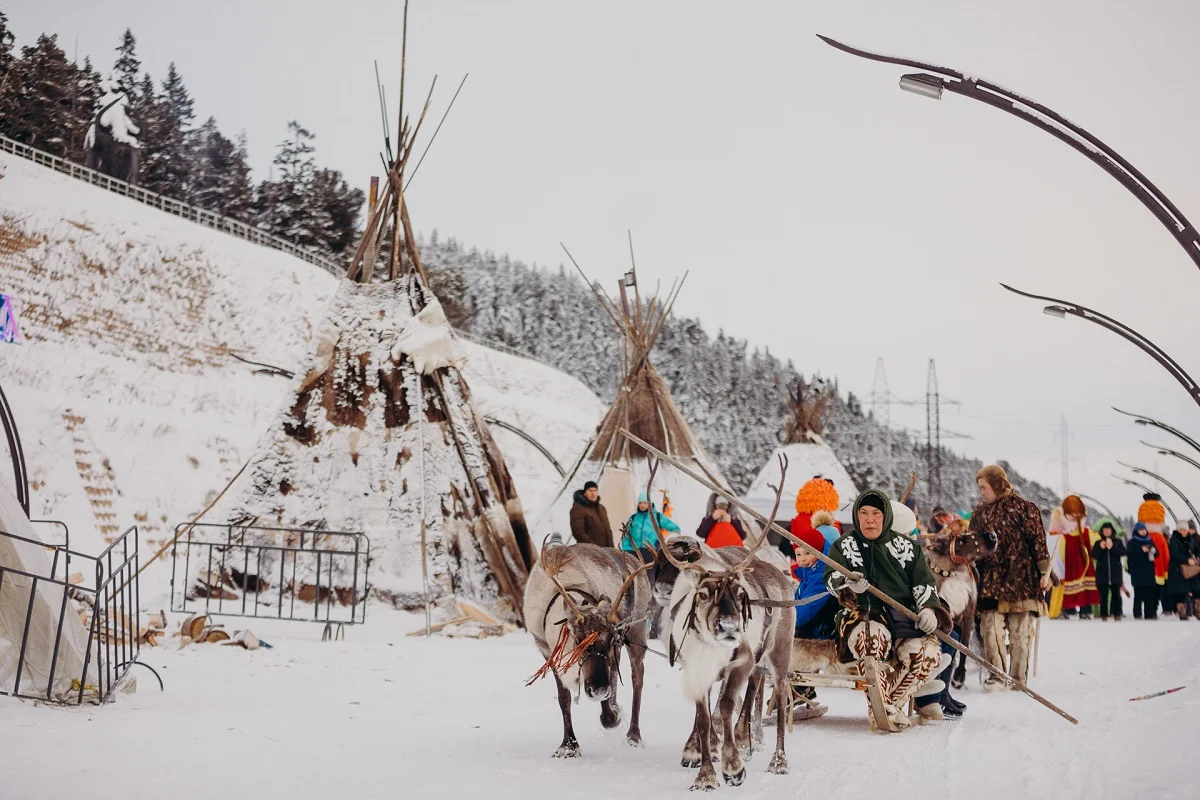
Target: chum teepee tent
{"type": "Point", "coordinates": [807, 453]}
{"type": "Point", "coordinates": [642, 405]}
{"type": "Point", "coordinates": [381, 437]}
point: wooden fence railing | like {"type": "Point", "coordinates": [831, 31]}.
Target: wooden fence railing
{"type": "Point", "coordinates": [201, 216]}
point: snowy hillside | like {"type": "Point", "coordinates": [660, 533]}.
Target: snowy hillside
{"type": "Point", "coordinates": [733, 396]}
{"type": "Point", "coordinates": [130, 404]}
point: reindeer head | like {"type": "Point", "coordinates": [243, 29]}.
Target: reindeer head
{"type": "Point", "coordinates": [963, 548]}
{"type": "Point", "coordinates": [717, 603]}
{"type": "Point", "coordinates": [683, 549]}
{"type": "Point", "coordinates": [599, 632]}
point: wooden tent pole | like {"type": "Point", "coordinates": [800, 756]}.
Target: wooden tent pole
{"type": "Point", "coordinates": [830, 563]}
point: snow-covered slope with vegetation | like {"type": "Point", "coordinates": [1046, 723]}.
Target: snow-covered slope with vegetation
{"type": "Point", "coordinates": [130, 403]}
{"type": "Point", "coordinates": [732, 395]}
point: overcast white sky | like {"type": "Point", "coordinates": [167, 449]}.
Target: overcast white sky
{"type": "Point", "coordinates": [822, 212]}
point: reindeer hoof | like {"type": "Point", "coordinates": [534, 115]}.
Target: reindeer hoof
{"type": "Point", "coordinates": [778, 765]}
{"type": "Point", "coordinates": [736, 778]}
{"type": "Point", "coordinates": [690, 761]}
{"type": "Point", "coordinates": [634, 740]}
{"type": "Point", "coordinates": [705, 782]}
{"type": "Point", "coordinates": [569, 750]}
{"type": "Point", "coordinates": [610, 717]}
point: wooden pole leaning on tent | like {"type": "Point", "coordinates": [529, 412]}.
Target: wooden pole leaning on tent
{"type": "Point", "coordinates": [828, 562]}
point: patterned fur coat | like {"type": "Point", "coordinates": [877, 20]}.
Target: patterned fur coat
{"type": "Point", "coordinates": [1009, 577]}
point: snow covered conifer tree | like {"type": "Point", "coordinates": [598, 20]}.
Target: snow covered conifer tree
{"type": "Point", "coordinates": [164, 153]}
{"type": "Point", "coordinates": [85, 93]}
{"type": "Point", "coordinates": [42, 88]}
{"type": "Point", "coordinates": [220, 176]}
{"type": "Point", "coordinates": [280, 207]}
{"type": "Point", "coordinates": [337, 207]}
{"type": "Point", "coordinates": [127, 66]}
{"type": "Point", "coordinates": [8, 64]}
{"type": "Point", "coordinates": [111, 143]}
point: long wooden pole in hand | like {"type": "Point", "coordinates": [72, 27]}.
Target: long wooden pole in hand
{"type": "Point", "coordinates": [770, 524]}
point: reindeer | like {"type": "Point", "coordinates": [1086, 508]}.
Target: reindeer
{"type": "Point", "coordinates": [725, 622]}
{"type": "Point", "coordinates": [590, 602]}
{"type": "Point", "coordinates": [951, 556]}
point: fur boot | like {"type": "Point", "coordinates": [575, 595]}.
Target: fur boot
{"type": "Point", "coordinates": [1020, 637]}
{"type": "Point", "coordinates": [870, 638]}
{"type": "Point", "coordinates": [1182, 609]}
{"type": "Point", "coordinates": [916, 660]}
{"type": "Point", "coordinates": [1196, 608]}
{"type": "Point", "coordinates": [995, 650]}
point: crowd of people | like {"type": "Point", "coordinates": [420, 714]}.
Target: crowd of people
{"type": "Point", "coordinates": [1027, 571]}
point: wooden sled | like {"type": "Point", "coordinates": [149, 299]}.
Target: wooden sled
{"type": "Point", "coordinates": [815, 663]}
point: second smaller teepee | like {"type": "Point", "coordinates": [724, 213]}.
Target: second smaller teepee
{"type": "Point", "coordinates": [642, 405]}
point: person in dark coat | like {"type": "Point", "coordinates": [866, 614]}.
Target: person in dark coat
{"type": "Point", "coordinates": [1195, 540]}
{"type": "Point", "coordinates": [589, 518]}
{"type": "Point", "coordinates": [1110, 576]}
{"type": "Point", "coordinates": [1141, 555]}
{"type": "Point", "coordinates": [1179, 588]}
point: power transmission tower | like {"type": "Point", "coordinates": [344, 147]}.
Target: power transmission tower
{"type": "Point", "coordinates": [1064, 460]}
{"type": "Point", "coordinates": [934, 433]}
{"type": "Point", "coordinates": [881, 410]}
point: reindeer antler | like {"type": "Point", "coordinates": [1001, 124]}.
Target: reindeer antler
{"type": "Point", "coordinates": [912, 482]}
{"type": "Point", "coordinates": [568, 601]}
{"type": "Point", "coordinates": [662, 540]}
{"type": "Point", "coordinates": [783, 468]}
{"type": "Point", "coordinates": [614, 615]}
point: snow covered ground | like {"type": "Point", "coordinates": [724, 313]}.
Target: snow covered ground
{"type": "Point", "coordinates": [384, 715]}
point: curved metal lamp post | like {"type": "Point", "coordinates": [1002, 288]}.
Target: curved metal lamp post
{"type": "Point", "coordinates": [933, 80]}
{"type": "Point", "coordinates": [1165, 451]}
{"type": "Point", "coordinates": [1141, 419]}
{"type": "Point", "coordinates": [20, 474]}
{"type": "Point", "coordinates": [1061, 308]}
{"type": "Point", "coordinates": [1094, 501]}
{"type": "Point", "coordinates": [1169, 485]}
{"type": "Point", "coordinates": [1147, 490]}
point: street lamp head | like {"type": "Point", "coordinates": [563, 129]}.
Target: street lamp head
{"type": "Point", "coordinates": [1055, 311]}
{"type": "Point", "coordinates": [923, 84]}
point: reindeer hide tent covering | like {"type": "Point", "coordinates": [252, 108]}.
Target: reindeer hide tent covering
{"type": "Point", "coordinates": [805, 461]}
{"type": "Point", "coordinates": [370, 441]}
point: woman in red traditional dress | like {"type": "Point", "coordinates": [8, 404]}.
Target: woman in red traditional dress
{"type": "Point", "coordinates": [1079, 582]}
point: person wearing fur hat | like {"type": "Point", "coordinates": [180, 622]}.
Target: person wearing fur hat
{"type": "Point", "coordinates": [1153, 514]}
{"type": "Point", "coordinates": [1079, 578]}
{"type": "Point", "coordinates": [1141, 554]}
{"type": "Point", "coordinates": [892, 563]}
{"type": "Point", "coordinates": [1013, 579]}
{"type": "Point", "coordinates": [1110, 577]}
{"type": "Point", "coordinates": [721, 527]}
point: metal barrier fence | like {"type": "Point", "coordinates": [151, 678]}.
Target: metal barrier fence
{"type": "Point", "coordinates": [273, 573]}
{"type": "Point", "coordinates": [202, 216]}
{"type": "Point", "coordinates": [113, 641]}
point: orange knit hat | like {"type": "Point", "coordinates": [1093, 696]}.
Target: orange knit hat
{"type": "Point", "coordinates": [817, 495]}
{"type": "Point", "coordinates": [1152, 511]}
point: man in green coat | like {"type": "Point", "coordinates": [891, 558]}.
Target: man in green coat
{"type": "Point", "coordinates": [895, 565]}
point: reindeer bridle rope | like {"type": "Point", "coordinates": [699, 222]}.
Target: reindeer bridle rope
{"type": "Point", "coordinates": [560, 660]}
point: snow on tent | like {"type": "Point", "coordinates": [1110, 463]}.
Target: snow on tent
{"type": "Point", "coordinates": [807, 453]}
{"type": "Point", "coordinates": [642, 405]}
{"type": "Point", "coordinates": [381, 437]}
{"type": "Point", "coordinates": [55, 639]}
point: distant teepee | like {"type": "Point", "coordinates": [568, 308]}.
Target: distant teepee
{"type": "Point", "coordinates": [642, 405]}
{"type": "Point", "coordinates": [381, 436]}
{"type": "Point", "coordinates": [807, 453]}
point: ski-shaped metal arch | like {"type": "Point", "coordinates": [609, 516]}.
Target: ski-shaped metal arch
{"type": "Point", "coordinates": [1166, 483]}
{"type": "Point", "coordinates": [1063, 129]}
